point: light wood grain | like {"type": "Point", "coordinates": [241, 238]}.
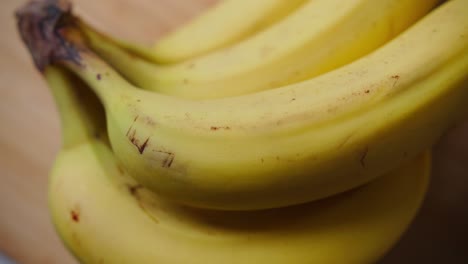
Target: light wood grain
{"type": "Point", "coordinates": [30, 138]}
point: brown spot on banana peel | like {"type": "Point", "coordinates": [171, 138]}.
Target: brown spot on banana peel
{"type": "Point", "coordinates": [214, 128]}
{"type": "Point", "coordinates": [75, 215]}
{"type": "Point", "coordinates": [136, 142]}
{"type": "Point", "coordinates": [131, 135]}
{"type": "Point", "coordinates": [168, 160]}
{"type": "Point", "coordinates": [128, 131]}
{"type": "Point", "coordinates": [131, 126]}
{"type": "Point", "coordinates": [395, 77]}
{"type": "Point", "coordinates": [150, 121]}
{"type": "Point", "coordinates": [142, 147]}
{"type": "Point", "coordinates": [133, 189]}
{"type": "Point", "coordinates": [42, 26]}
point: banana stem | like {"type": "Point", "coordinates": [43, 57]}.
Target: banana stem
{"type": "Point", "coordinates": [47, 29]}
{"type": "Point", "coordinates": [53, 37]}
{"type": "Point", "coordinates": [40, 24]}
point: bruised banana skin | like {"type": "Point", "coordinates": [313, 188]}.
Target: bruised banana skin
{"type": "Point", "coordinates": [320, 36]}
{"type": "Point", "coordinates": [104, 216]}
{"type": "Point", "coordinates": [226, 23]}
{"type": "Point", "coordinates": [300, 142]}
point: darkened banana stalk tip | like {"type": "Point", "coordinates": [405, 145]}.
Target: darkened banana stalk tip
{"type": "Point", "coordinates": [42, 25]}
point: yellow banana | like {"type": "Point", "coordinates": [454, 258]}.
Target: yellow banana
{"type": "Point", "coordinates": [320, 36]}
{"type": "Point", "coordinates": [296, 143]}
{"type": "Point", "coordinates": [104, 216]}
{"type": "Point", "coordinates": [227, 22]}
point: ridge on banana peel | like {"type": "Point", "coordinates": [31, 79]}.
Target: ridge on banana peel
{"type": "Point", "coordinates": [104, 216]}
{"type": "Point", "coordinates": [222, 25]}
{"type": "Point", "coordinates": [294, 144]}
{"type": "Point", "coordinates": [320, 36]}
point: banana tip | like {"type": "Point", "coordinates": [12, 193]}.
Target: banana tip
{"type": "Point", "coordinates": [41, 25]}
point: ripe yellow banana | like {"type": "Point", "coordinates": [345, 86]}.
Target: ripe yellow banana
{"type": "Point", "coordinates": [104, 216]}
{"type": "Point", "coordinates": [226, 23]}
{"type": "Point", "coordinates": [320, 36]}
{"type": "Point", "coordinates": [288, 145]}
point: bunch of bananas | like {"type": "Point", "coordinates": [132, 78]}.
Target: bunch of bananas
{"type": "Point", "coordinates": [261, 132]}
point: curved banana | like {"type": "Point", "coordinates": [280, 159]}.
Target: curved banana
{"type": "Point", "coordinates": [104, 216]}
{"type": "Point", "coordinates": [320, 36]}
{"type": "Point", "coordinates": [328, 134]}
{"type": "Point", "coordinates": [227, 22]}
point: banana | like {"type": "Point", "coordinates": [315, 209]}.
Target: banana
{"type": "Point", "coordinates": [227, 22]}
{"type": "Point", "coordinates": [289, 145]}
{"type": "Point", "coordinates": [104, 216]}
{"type": "Point", "coordinates": [320, 36]}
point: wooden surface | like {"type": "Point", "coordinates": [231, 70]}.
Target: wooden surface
{"type": "Point", "coordinates": [30, 138]}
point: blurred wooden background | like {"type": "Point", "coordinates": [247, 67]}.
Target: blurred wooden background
{"type": "Point", "coordinates": [30, 138]}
